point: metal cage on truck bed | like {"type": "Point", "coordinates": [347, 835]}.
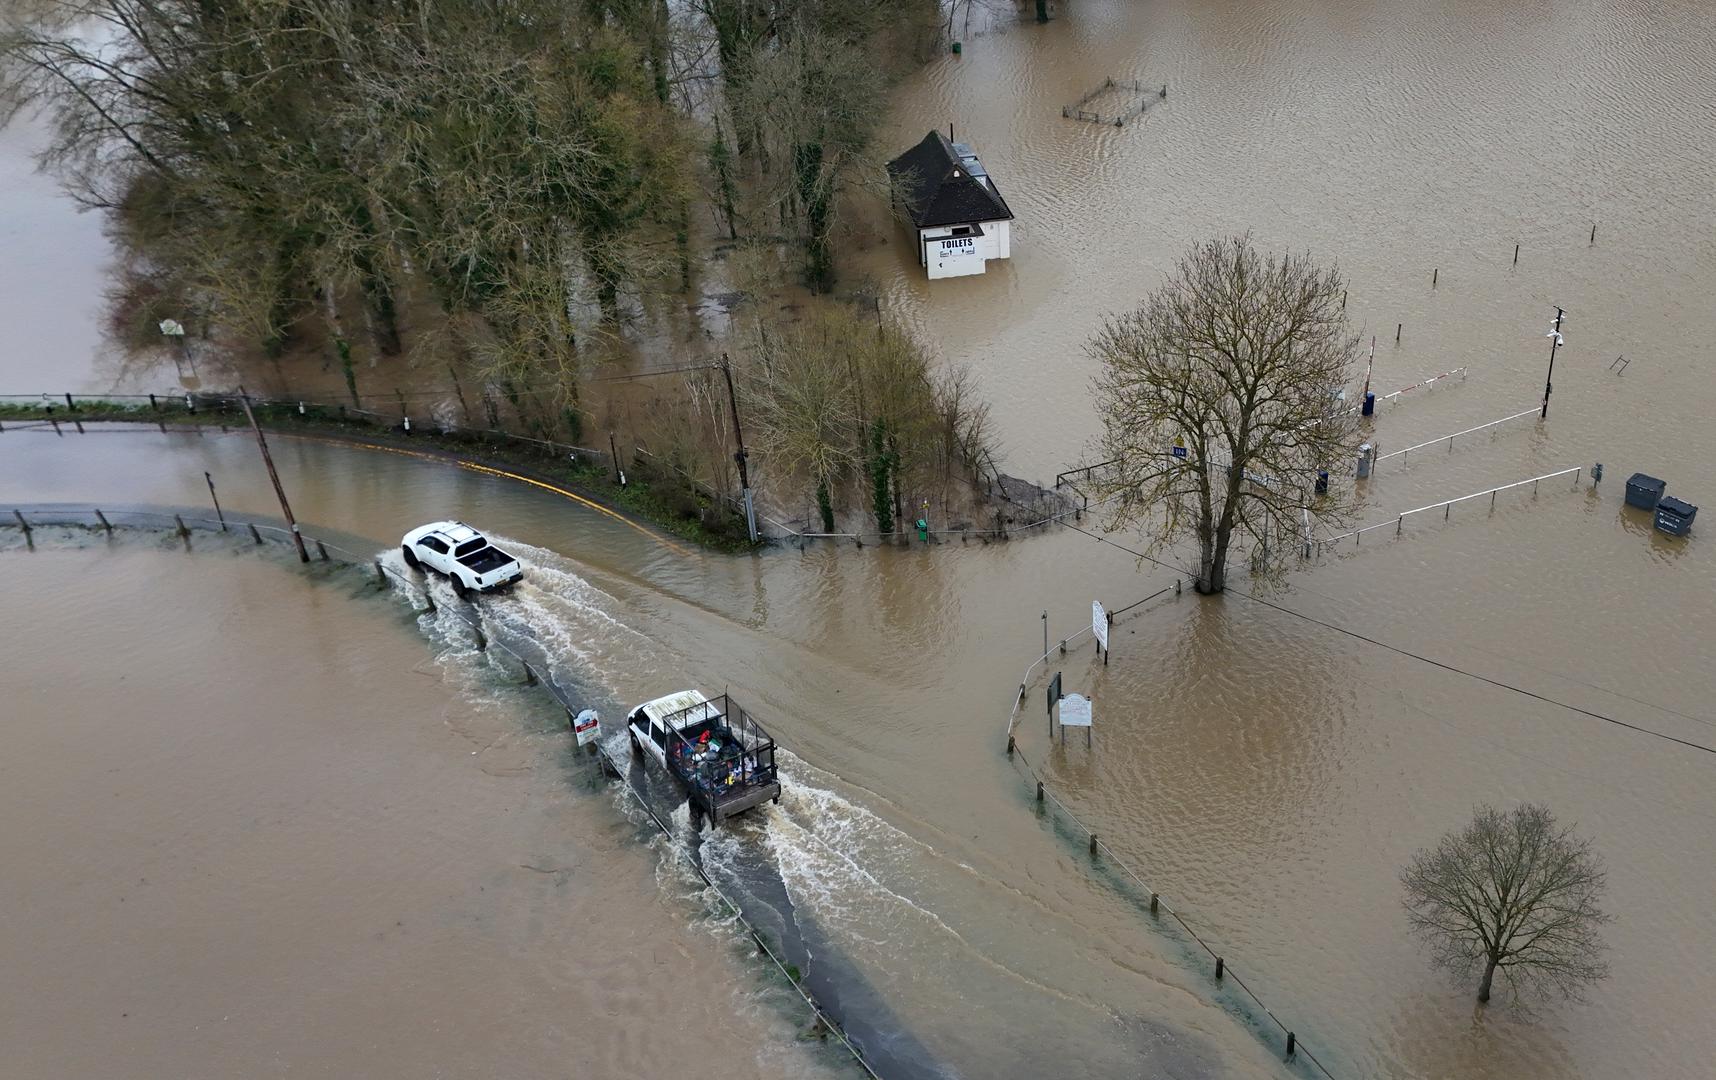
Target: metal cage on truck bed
{"type": "Point", "coordinates": [723, 756]}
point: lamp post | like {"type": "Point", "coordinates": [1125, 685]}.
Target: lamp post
{"type": "Point", "coordinates": [175, 330]}
{"type": "Point", "coordinates": [1554, 343]}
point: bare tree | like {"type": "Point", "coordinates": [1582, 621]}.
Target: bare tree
{"type": "Point", "coordinates": [1511, 892]}
{"type": "Point", "coordinates": [1219, 404]}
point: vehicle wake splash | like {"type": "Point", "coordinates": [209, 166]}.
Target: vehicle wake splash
{"type": "Point", "coordinates": [753, 876]}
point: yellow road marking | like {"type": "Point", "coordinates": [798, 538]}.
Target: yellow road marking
{"type": "Point", "coordinates": [475, 467]}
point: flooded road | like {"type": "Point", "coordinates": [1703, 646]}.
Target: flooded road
{"type": "Point", "coordinates": [1271, 772]}
{"type": "Point", "coordinates": [254, 827]}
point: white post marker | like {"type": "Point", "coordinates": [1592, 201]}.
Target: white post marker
{"type": "Point", "coordinates": [1075, 712]}
{"type": "Point", "coordinates": [587, 726]}
{"type": "Point", "coordinates": [1099, 624]}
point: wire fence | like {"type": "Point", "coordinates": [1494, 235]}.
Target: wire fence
{"type": "Point", "coordinates": [1446, 506]}
{"type": "Point", "coordinates": [1449, 439]}
{"type": "Point", "coordinates": [1098, 848]}
{"type": "Point", "coordinates": [158, 410]}
{"type": "Point", "coordinates": [489, 640]}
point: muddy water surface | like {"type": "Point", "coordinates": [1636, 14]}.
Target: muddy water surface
{"type": "Point", "coordinates": [1267, 773]}
{"type": "Point", "coordinates": [253, 827]}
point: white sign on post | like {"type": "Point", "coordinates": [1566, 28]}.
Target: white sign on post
{"type": "Point", "coordinates": [1099, 624]}
{"type": "Point", "coordinates": [1075, 711]}
{"type": "Point", "coordinates": [587, 726]}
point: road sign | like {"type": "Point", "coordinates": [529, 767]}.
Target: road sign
{"type": "Point", "coordinates": [1099, 623]}
{"type": "Point", "coordinates": [1075, 711]}
{"type": "Point", "coordinates": [587, 726]}
{"type": "Point", "coordinates": [1180, 451]}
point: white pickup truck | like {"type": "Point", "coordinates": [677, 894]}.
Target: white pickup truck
{"type": "Point", "coordinates": [462, 553]}
{"type": "Point", "coordinates": [722, 756]}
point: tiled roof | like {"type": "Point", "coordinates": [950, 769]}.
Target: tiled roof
{"type": "Point", "coordinates": [938, 187]}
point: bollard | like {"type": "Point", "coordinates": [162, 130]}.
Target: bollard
{"type": "Point", "coordinates": [99, 516]}
{"type": "Point", "coordinates": [255, 535]}
{"type": "Point", "coordinates": [1176, 586]}
{"type": "Point", "coordinates": [429, 598]}
{"type": "Point", "coordinates": [1596, 474]}
{"type": "Point", "coordinates": [1398, 523]}
{"type": "Point", "coordinates": [1063, 646]}
{"type": "Point", "coordinates": [322, 551]}
{"type": "Point", "coordinates": [154, 405]}
{"type": "Point", "coordinates": [1321, 486]}
{"type": "Point", "coordinates": [1292, 1041]}
{"type": "Point", "coordinates": [1593, 234]}
{"type": "Point", "coordinates": [1398, 327]}
{"type": "Point", "coordinates": [1369, 403]}
{"type": "Point", "coordinates": [1093, 843]}
{"type": "Point", "coordinates": [1220, 966]}
{"type": "Point", "coordinates": [482, 642]}
{"type": "Point", "coordinates": [1009, 746]}
{"type": "Point", "coordinates": [25, 525]}
{"type": "Point", "coordinates": [1433, 275]}
{"type": "Point", "coordinates": [1154, 899]}
{"type": "Point", "coordinates": [529, 676]}
{"type": "Point", "coordinates": [380, 575]}
{"type": "Point", "coordinates": [1516, 254]}
{"type": "Point", "coordinates": [1343, 299]}
{"type": "Point", "coordinates": [70, 404]}
{"type": "Point", "coordinates": [1039, 786]}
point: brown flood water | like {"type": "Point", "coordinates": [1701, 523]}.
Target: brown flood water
{"type": "Point", "coordinates": [254, 828]}
{"type": "Point", "coordinates": [1268, 775]}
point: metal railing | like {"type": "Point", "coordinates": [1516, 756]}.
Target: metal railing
{"type": "Point", "coordinates": [1394, 398]}
{"type": "Point", "coordinates": [1099, 848]}
{"type": "Point", "coordinates": [1449, 439]}
{"type": "Point", "coordinates": [29, 519]}
{"type": "Point", "coordinates": [1446, 506]}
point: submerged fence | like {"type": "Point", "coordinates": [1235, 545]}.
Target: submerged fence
{"type": "Point", "coordinates": [1446, 506]}
{"type": "Point", "coordinates": [1293, 1047]}
{"type": "Point", "coordinates": [60, 412]}
{"type": "Point", "coordinates": [27, 519]}
{"type": "Point", "coordinates": [1449, 439]}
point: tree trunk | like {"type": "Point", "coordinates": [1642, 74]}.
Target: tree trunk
{"type": "Point", "coordinates": [1489, 979]}
{"type": "Point", "coordinates": [825, 505]}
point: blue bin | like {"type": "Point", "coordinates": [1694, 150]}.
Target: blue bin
{"type": "Point", "coordinates": [1674, 517]}
{"type": "Point", "coordinates": [1643, 491]}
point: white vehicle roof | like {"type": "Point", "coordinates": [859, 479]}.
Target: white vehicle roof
{"type": "Point", "coordinates": [456, 532]}
{"type": "Point", "coordinates": [663, 707]}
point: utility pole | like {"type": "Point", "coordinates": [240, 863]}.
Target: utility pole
{"type": "Point", "coordinates": [1554, 343]}
{"type": "Point", "coordinates": [739, 437]}
{"type": "Point", "coordinates": [297, 537]}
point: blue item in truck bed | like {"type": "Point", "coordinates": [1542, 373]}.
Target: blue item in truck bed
{"type": "Point", "coordinates": [1643, 491]}
{"type": "Point", "coordinates": [1674, 517]}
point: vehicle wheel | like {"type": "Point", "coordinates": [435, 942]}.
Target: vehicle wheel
{"type": "Point", "coordinates": [459, 588]}
{"type": "Point", "coordinates": [411, 558]}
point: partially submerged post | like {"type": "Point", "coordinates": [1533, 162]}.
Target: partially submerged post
{"type": "Point", "coordinates": [218, 514]}
{"type": "Point", "coordinates": [285, 508]}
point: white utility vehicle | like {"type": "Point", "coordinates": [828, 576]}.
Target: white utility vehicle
{"type": "Point", "coordinates": [453, 548]}
{"type": "Point", "coordinates": [722, 756]}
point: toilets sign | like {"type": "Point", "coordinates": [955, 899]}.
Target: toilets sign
{"type": "Point", "coordinates": [956, 247]}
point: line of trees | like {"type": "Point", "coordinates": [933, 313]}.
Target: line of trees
{"type": "Point", "coordinates": [856, 412]}
{"type": "Point", "coordinates": [466, 180]}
